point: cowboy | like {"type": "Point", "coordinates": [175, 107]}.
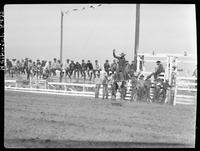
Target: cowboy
{"type": "Point", "coordinates": [159, 69]}
{"type": "Point", "coordinates": [121, 64]}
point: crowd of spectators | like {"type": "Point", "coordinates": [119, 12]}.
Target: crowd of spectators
{"type": "Point", "coordinates": [43, 69]}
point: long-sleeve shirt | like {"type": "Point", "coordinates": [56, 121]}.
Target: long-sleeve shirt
{"type": "Point", "coordinates": [122, 62]}
{"type": "Point", "coordinates": [90, 66]}
{"type": "Point", "coordinates": [159, 69]}
{"type": "Point", "coordinates": [106, 66]}
{"type": "Point", "coordinates": [98, 80]}
{"type": "Point", "coordinates": [67, 65]}
{"type": "Point", "coordinates": [96, 67]}
{"type": "Point", "coordinates": [84, 66]}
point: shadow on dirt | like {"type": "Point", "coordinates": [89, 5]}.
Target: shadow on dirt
{"type": "Point", "coordinates": [38, 143]}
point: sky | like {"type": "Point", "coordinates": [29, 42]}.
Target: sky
{"type": "Point", "coordinates": [33, 31]}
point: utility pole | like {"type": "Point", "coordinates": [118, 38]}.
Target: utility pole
{"type": "Point", "coordinates": [61, 37]}
{"type": "Point", "coordinates": [61, 42]}
{"type": "Point", "coordinates": [137, 25]}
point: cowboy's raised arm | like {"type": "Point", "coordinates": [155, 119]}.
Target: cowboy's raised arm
{"type": "Point", "coordinates": [115, 55]}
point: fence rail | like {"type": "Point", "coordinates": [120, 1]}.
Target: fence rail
{"type": "Point", "coordinates": [180, 99]}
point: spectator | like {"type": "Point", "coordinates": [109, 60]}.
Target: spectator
{"type": "Point", "coordinates": [107, 67]}
{"type": "Point", "coordinates": [72, 67]}
{"type": "Point", "coordinates": [83, 69]}
{"type": "Point", "coordinates": [39, 69]}
{"type": "Point", "coordinates": [96, 68]}
{"type": "Point", "coordinates": [89, 69]}
{"type": "Point", "coordinates": [67, 68]}
{"type": "Point", "coordinates": [77, 69]}
{"type": "Point", "coordinates": [195, 75]}
{"type": "Point", "coordinates": [26, 65]}
{"type": "Point", "coordinates": [126, 71]}
{"type": "Point", "coordinates": [105, 86]}
{"type": "Point", "coordinates": [113, 66]}
{"type": "Point", "coordinates": [195, 72]}
{"type": "Point", "coordinates": [50, 68]}
{"type": "Point", "coordinates": [9, 66]}
{"type": "Point", "coordinates": [54, 66]}
{"type": "Point", "coordinates": [140, 88]}
{"type": "Point", "coordinates": [133, 87]}
{"type": "Point", "coordinates": [133, 67]}
{"type": "Point", "coordinates": [29, 71]}
{"type": "Point", "coordinates": [123, 89]}
{"type": "Point", "coordinates": [13, 68]}
{"type": "Point", "coordinates": [97, 85]}
{"type": "Point", "coordinates": [114, 86]}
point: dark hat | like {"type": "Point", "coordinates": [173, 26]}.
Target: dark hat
{"type": "Point", "coordinates": [141, 76]}
{"type": "Point", "coordinates": [122, 54]}
{"type": "Point", "coordinates": [158, 61]}
{"type": "Point", "coordinates": [96, 60]}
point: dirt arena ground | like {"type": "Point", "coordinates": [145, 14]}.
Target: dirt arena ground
{"type": "Point", "coordinates": [43, 120]}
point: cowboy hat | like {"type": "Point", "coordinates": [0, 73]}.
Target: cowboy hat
{"type": "Point", "coordinates": [122, 54]}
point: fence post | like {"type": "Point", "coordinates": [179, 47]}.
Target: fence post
{"type": "Point", "coordinates": [65, 87]}
{"type": "Point", "coordinates": [45, 84]}
{"type": "Point", "coordinates": [30, 82]}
